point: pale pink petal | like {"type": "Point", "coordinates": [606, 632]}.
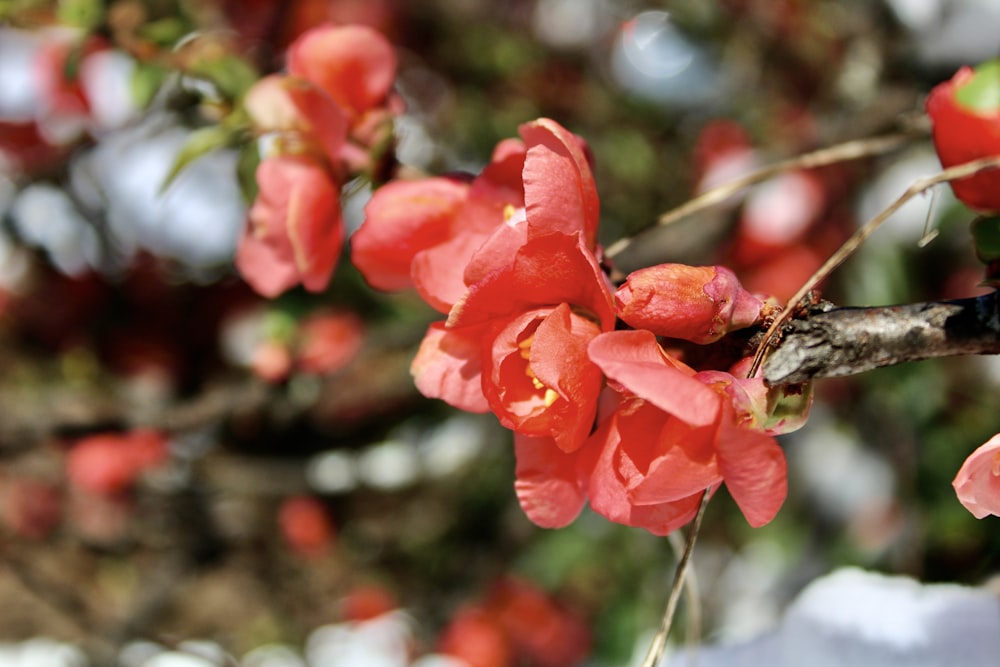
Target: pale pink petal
{"type": "Point", "coordinates": [547, 270]}
{"type": "Point", "coordinates": [695, 303]}
{"type": "Point", "coordinates": [687, 466]}
{"type": "Point", "coordinates": [609, 496]}
{"type": "Point", "coordinates": [315, 227]}
{"type": "Point", "coordinates": [268, 268]}
{"type": "Point", "coordinates": [977, 483]}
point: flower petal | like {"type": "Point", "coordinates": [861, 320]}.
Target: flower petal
{"type": "Point", "coordinates": [636, 361]}
{"type": "Point", "coordinates": [401, 219]}
{"type": "Point", "coordinates": [977, 483]}
{"type": "Point", "coordinates": [559, 189]}
{"type": "Point", "coordinates": [448, 366]}
{"type": "Point", "coordinates": [548, 486]}
{"type": "Point", "coordinates": [753, 466]}
{"type": "Point", "coordinates": [355, 65]}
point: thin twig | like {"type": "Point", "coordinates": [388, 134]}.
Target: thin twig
{"type": "Point", "coordinates": [692, 596]}
{"type": "Point", "coordinates": [659, 642]}
{"type": "Point", "coordinates": [851, 150]}
{"type": "Point", "coordinates": [859, 237]}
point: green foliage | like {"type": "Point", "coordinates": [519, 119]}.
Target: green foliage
{"type": "Point", "coordinates": [202, 141]}
{"type": "Point", "coordinates": [86, 14]}
{"type": "Point", "coordinates": [982, 92]}
{"type": "Point", "coordinates": [986, 234]}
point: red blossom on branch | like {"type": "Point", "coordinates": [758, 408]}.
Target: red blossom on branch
{"type": "Point", "coordinates": [530, 336]}
{"type": "Point", "coordinates": [295, 230]}
{"type": "Point", "coordinates": [965, 118]}
{"type": "Point", "coordinates": [327, 120]}
{"type": "Point", "coordinates": [671, 436]}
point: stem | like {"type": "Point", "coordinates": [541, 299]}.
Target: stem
{"type": "Point", "coordinates": [859, 237]}
{"type": "Point", "coordinates": [851, 150]}
{"type": "Point", "coordinates": [846, 341]}
{"type": "Point", "coordinates": [659, 643]}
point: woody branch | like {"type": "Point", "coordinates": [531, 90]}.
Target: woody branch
{"type": "Point", "coordinates": [846, 341]}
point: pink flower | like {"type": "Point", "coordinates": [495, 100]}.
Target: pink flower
{"type": "Point", "coordinates": [110, 463]}
{"type": "Point", "coordinates": [328, 341]}
{"type": "Point", "coordinates": [305, 117]}
{"type": "Point", "coordinates": [306, 526]}
{"type": "Point", "coordinates": [424, 233]}
{"type": "Point", "coordinates": [669, 436]}
{"type": "Point", "coordinates": [442, 236]}
{"type": "Point", "coordinates": [354, 64]}
{"type": "Point", "coordinates": [977, 483]}
{"type": "Point", "coordinates": [295, 231]}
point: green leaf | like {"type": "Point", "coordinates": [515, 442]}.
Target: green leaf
{"type": "Point", "coordinates": [981, 93]}
{"type": "Point", "coordinates": [246, 171]}
{"type": "Point", "coordinates": [86, 14]}
{"type": "Point", "coordinates": [201, 141]}
{"type": "Point", "coordinates": [147, 79]}
{"type": "Point", "coordinates": [986, 235]}
{"type": "Point", "coordinates": [165, 32]}
{"type": "Point", "coordinates": [232, 75]}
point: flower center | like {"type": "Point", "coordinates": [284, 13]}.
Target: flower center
{"type": "Point", "coordinates": [551, 395]}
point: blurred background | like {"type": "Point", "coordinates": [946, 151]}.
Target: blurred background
{"type": "Point", "coordinates": [183, 461]}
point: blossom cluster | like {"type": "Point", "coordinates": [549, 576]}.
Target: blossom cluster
{"type": "Point", "coordinates": [605, 404]}
{"type": "Point", "coordinates": [321, 123]}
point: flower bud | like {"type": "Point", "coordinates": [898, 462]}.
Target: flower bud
{"type": "Point", "coordinates": [696, 303]}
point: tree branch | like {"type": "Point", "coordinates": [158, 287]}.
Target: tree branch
{"type": "Point", "coordinates": [846, 341]}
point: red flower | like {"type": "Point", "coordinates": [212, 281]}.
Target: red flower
{"type": "Point", "coordinates": [423, 233]}
{"type": "Point", "coordinates": [305, 525]}
{"type": "Point", "coordinates": [402, 219]}
{"type": "Point", "coordinates": [110, 463]}
{"type": "Point", "coordinates": [541, 382]}
{"type": "Point", "coordinates": [367, 601]}
{"type": "Point", "coordinates": [670, 436]}
{"type": "Point", "coordinates": [553, 280]}
{"type": "Point", "coordinates": [443, 237]}
{"type": "Point", "coordinates": [355, 65]}
{"type": "Point", "coordinates": [328, 342]}
{"type": "Point", "coordinates": [965, 121]}
{"type": "Point", "coordinates": [475, 637]}
{"type": "Point", "coordinates": [978, 481]}
{"type": "Point", "coordinates": [306, 118]}
{"type": "Point", "coordinates": [543, 633]}
{"type": "Point", "coordinates": [697, 303]}
{"type": "Point", "coordinates": [295, 231]}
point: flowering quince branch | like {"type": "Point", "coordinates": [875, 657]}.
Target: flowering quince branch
{"type": "Point", "coordinates": [532, 335]}
{"type": "Point", "coordinates": [854, 242]}
{"type": "Point", "coordinates": [846, 341]}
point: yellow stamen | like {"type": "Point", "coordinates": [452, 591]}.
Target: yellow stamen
{"type": "Point", "coordinates": [551, 396]}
